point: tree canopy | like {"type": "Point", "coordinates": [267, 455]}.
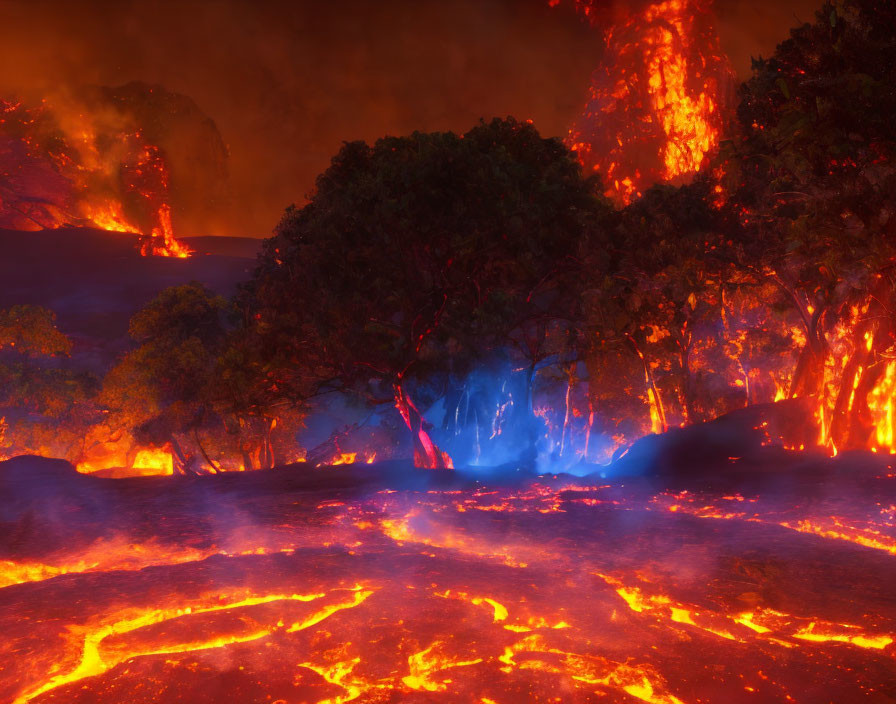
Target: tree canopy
{"type": "Point", "coordinates": [164, 388]}
{"type": "Point", "coordinates": [811, 169]}
{"type": "Point", "coordinates": [414, 256]}
{"type": "Point", "coordinates": [45, 404]}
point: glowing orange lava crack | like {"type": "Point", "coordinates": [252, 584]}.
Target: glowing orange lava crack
{"type": "Point", "coordinates": [772, 625]}
{"type": "Point", "coordinates": [93, 662]}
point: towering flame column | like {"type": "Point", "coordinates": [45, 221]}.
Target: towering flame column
{"type": "Point", "coordinates": [657, 104]}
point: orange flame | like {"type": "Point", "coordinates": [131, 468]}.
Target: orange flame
{"type": "Point", "coordinates": [656, 108]}
{"type": "Point", "coordinates": [154, 462]}
{"type": "Point", "coordinates": [147, 462]}
{"type": "Point", "coordinates": [85, 168]}
{"type": "Point", "coordinates": [352, 457]}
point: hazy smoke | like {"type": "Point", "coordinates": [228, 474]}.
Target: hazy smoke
{"type": "Point", "coordinates": [287, 82]}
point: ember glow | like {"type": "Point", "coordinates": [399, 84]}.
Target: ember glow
{"type": "Point", "coordinates": [139, 462]}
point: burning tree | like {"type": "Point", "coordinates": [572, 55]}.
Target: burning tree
{"type": "Point", "coordinates": [701, 335]}
{"type": "Point", "coordinates": [415, 257]}
{"type": "Point", "coordinates": [160, 390]}
{"type": "Point", "coordinates": [178, 390]}
{"type": "Point", "coordinates": [658, 103]}
{"type": "Point", "coordinates": [812, 170]}
{"type": "Point", "coordinates": [713, 287]}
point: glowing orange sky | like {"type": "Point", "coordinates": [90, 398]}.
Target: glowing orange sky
{"type": "Point", "coordinates": [288, 82]}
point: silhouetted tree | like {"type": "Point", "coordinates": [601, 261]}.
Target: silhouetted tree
{"type": "Point", "coordinates": [415, 257]}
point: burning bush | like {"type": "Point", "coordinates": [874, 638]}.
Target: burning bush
{"type": "Point", "coordinates": [186, 388]}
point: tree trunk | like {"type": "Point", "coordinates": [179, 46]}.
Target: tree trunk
{"type": "Point", "coordinates": [266, 452]}
{"type": "Point", "coordinates": [655, 401]}
{"type": "Point", "coordinates": [453, 400]}
{"type": "Point", "coordinates": [848, 393]}
{"type": "Point", "coordinates": [211, 463]}
{"type": "Point", "coordinates": [590, 426]}
{"type": "Point", "coordinates": [530, 428]}
{"type": "Point", "coordinates": [563, 435]}
{"type": "Point", "coordinates": [426, 454]}
{"type": "Point", "coordinates": [657, 413]}
{"type": "Point", "coordinates": [248, 463]}
{"type": "Point", "coordinates": [808, 377]}
{"type": "Point", "coordinates": [269, 434]}
{"type": "Point", "coordinates": [861, 422]}
{"type": "Point", "coordinates": [691, 413]}
{"type": "Point", "coordinates": [876, 337]}
{"type": "Point", "coordinates": [180, 459]}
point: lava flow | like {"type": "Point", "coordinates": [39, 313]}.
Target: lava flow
{"type": "Point", "coordinates": [555, 591]}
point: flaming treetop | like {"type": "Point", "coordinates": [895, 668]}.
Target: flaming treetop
{"type": "Point", "coordinates": [656, 106]}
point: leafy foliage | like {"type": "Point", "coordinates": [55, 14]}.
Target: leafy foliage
{"type": "Point", "coordinates": [31, 331]}
{"type": "Point", "coordinates": [418, 256]}
{"type": "Point", "coordinates": [811, 167]}
{"type": "Point", "coordinates": [46, 406]}
{"type": "Point", "coordinates": [165, 387]}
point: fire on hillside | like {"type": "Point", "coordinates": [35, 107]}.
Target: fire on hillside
{"type": "Point", "coordinates": [85, 162]}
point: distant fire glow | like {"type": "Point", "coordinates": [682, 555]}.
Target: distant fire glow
{"type": "Point", "coordinates": [67, 166]}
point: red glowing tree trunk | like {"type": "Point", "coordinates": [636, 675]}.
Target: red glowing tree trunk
{"type": "Point", "coordinates": [842, 365]}
{"type": "Point", "coordinates": [426, 453]}
{"type": "Point", "coordinates": [183, 463]}
{"type": "Point", "coordinates": [569, 370]}
{"type": "Point", "coordinates": [808, 378]}
{"type": "Point", "coordinates": [654, 401]}
{"type": "Point", "coordinates": [208, 460]}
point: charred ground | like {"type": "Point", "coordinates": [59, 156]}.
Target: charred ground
{"type": "Point", "coordinates": [376, 584]}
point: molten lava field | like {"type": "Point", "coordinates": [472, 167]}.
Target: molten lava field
{"type": "Point", "coordinates": [358, 584]}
